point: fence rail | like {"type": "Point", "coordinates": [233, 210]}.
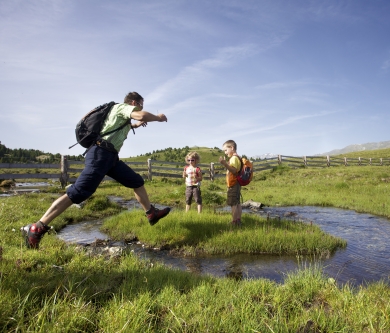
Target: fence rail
{"type": "Point", "coordinates": [67, 174]}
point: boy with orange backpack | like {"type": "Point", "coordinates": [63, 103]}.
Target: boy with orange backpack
{"type": "Point", "coordinates": [233, 167]}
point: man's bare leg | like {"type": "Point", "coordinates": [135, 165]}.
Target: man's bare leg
{"type": "Point", "coordinates": [35, 231]}
{"type": "Point", "coordinates": [56, 208]}
{"type": "Point", "coordinates": [142, 196]}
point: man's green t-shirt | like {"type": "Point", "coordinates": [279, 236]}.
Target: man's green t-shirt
{"type": "Point", "coordinates": [119, 114]}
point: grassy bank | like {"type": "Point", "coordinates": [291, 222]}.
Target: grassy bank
{"type": "Point", "coordinates": [211, 233]}
{"type": "Point", "coordinates": [364, 189]}
{"type": "Point", "coordinates": [60, 289]}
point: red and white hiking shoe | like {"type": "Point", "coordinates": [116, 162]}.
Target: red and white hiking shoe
{"type": "Point", "coordinates": [236, 223]}
{"type": "Point", "coordinates": [154, 214]}
{"type": "Point", "coordinates": [33, 234]}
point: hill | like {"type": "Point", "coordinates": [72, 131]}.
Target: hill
{"type": "Point", "coordinates": [207, 155]}
{"type": "Point", "coordinates": [358, 148]}
{"type": "Point", "coordinates": [8, 155]}
{"type": "Point", "coordinates": [376, 154]}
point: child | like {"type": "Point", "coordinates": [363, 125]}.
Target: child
{"type": "Point", "coordinates": [234, 188]}
{"type": "Point", "coordinates": [193, 177]}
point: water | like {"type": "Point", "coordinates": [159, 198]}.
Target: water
{"type": "Point", "coordinates": [35, 184]}
{"type": "Point", "coordinates": [83, 233]}
{"type": "Point", "coordinates": [365, 259]}
{"type": "Point", "coordinates": [22, 188]}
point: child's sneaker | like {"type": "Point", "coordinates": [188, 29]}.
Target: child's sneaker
{"type": "Point", "coordinates": [155, 214]}
{"type": "Point", "coordinates": [33, 234]}
{"type": "Point", "coordinates": [236, 223]}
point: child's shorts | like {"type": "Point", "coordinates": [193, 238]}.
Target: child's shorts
{"type": "Point", "coordinates": [233, 195]}
{"type": "Point", "coordinates": [193, 192]}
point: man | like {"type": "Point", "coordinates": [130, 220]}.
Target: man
{"type": "Point", "coordinates": [102, 159]}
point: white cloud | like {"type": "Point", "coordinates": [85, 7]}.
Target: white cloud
{"type": "Point", "coordinates": [201, 71]}
{"type": "Point", "coordinates": [386, 65]}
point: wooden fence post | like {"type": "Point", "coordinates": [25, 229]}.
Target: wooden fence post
{"type": "Point", "coordinates": [370, 160]}
{"type": "Point", "coordinates": [149, 169]}
{"type": "Point", "coordinates": [64, 171]}
{"type": "Point", "coordinates": [212, 171]}
{"type": "Point", "coordinates": [279, 159]}
{"type": "Point", "coordinates": [360, 161]}
{"type": "Point", "coordinates": [304, 161]}
{"type": "Point", "coordinates": [381, 161]}
{"type": "Point", "coordinates": [328, 160]}
{"type": "Point", "coordinates": [345, 161]}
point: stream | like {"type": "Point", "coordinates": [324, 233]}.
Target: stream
{"type": "Point", "coordinates": [365, 259]}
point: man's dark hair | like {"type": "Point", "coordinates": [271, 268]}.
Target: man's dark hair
{"type": "Point", "coordinates": [133, 96]}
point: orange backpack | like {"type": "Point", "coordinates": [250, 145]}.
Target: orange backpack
{"type": "Point", "coordinates": [245, 174]}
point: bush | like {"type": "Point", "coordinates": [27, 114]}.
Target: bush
{"type": "Point", "coordinates": [209, 198]}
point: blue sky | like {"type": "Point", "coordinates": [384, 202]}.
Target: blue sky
{"type": "Point", "coordinates": [285, 77]}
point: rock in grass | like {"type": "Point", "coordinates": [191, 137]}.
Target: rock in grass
{"type": "Point", "coordinates": [252, 205]}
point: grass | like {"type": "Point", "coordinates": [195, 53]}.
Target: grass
{"type": "Point", "coordinates": [62, 289]}
{"type": "Point", "coordinates": [378, 153]}
{"type": "Point", "coordinates": [193, 233]}
{"type": "Point", "coordinates": [364, 189]}
{"type": "Point", "coordinates": [92, 295]}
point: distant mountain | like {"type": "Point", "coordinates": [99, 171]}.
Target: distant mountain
{"type": "Point", "coordinates": [358, 147]}
{"type": "Point", "coordinates": [264, 156]}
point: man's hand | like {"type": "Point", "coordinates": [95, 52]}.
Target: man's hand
{"type": "Point", "coordinates": [139, 124]}
{"type": "Point", "coordinates": [147, 117]}
{"type": "Point", "coordinates": [162, 117]}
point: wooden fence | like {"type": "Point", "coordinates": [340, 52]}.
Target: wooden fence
{"type": "Point", "coordinates": [67, 171]}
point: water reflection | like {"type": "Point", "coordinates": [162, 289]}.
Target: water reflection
{"type": "Point", "coordinates": [83, 233]}
{"type": "Point", "coordinates": [365, 259]}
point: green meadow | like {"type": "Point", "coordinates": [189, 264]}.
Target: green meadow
{"type": "Point", "coordinates": [60, 288]}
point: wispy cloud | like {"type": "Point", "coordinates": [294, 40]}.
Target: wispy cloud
{"type": "Point", "coordinates": [279, 85]}
{"type": "Point", "coordinates": [386, 65]}
{"type": "Point", "coordinates": [342, 11]}
{"type": "Point", "coordinates": [201, 71]}
{"type": "Point", "coordinates": [255, 124]}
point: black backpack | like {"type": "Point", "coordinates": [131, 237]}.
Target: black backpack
{"type": "Point", "coordinates": [89, 127]}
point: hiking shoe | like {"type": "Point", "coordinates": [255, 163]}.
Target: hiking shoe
{"type": "Point", "coordinates": [33, 234]}
{"type": "Point", "coordinates": [154, 214]}
{"type": "Point", "coordinates": [236, 223]}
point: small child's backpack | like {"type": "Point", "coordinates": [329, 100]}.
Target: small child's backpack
{"type": "Point", "coordinates": [245, 174]}
{"type": "Point", "coordinates": [89, 127]}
